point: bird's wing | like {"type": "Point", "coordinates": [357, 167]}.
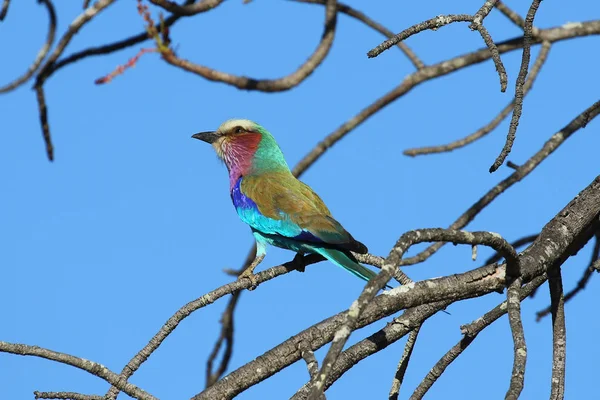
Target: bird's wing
{"type": "Point", "coordinates": [282, 205]}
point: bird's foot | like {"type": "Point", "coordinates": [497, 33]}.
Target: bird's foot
{"type": "Point", "coordinates": [298, 262]}
{"type": "Point", "coordinates": [249, 274]}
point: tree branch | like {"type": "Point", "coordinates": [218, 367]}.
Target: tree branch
{"type": "Point", "coordinates": [267, 85]}
{"type": "Point", "coordinates": [541, 59]}
{"type": "Point", "coordinates": [93, 368]}
{"type": "Point", "coordinates": [41, 54]}
{"type": "Point", "coordinates": [519, 87]}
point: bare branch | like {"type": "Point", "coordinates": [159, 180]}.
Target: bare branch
{"type": "Point", "coordinates": [4, 9]}
{"type": "Point", "coordinates": [587, 274]}
{"type": "Point", "coordinates": [374, 285]}
{"type": "Point", "coordinates": [41, 54]}
{"type": "Point", "coordinates": [442, 20]}
{"type": "Point", "coordinates": [93, 368]}
{"type": "Point", "coordinates": [189, 9]}
{"type": "Point", "coordinates": [43, 110]}
{"type": "Point", "coordinates": [309, 357]}
{"type": "Point", "coordinates": [403, 364]}
{"type": "Point", "coordinates": [66, 396]}
{"type": "Point", "coordinates": [539, 62]}
{"type": "Point", "coordinates": [267, 85]}
{"type": "Point", "coordinates": [197, 304]}
{"type": "Point", "coordinates": [514, 17]}
{"type": "Point", "coordinates": [516, 244]}
{"type": "Point", "coordinates": [559, 334]}
{"type": "Point", "coordinates": [391, 333]}
{"type": "Point", "coordinates": [519, 87]}
{"type": "Point", "coordinates": [470, 332]}
{"type": "Point", "coordinates": [513, 305]}
{"type": "Point", "coordinates": [549, 147]}
{"type": "Point", "coordinates": [373, 24]}
{"type": "Point", "coordinates": [226, 335]}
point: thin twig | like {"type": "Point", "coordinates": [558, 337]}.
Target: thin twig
{"type": "Point", "coordinates": [559, 333]}
{"type": "Point", "coordinates": [93, 368]}
{"type": "Point", "coordinates": [516, 244]}
{"type": "Point", "coordinates": [513, 305]}
{"type": "Point", "coordinates": [519, 87]}
{"type": "Point", "coordinates": [537, 66]}
{"type": "Point", "coordinates": [195, 305]}
{"type": "Point", "coordinates": [66, 396]}
{"type": "Point", "coordinates": [375, 25]}
{"type": "Point", "coordinates": [403, 364]}
{"type": "Point", "coordinates": [380, 340]}
{"type": "Point", "coordinates": [43, 111]}
{"type": "Point", "coordinates": [433, 24]}
{"type": "Point", "coordinates": [548, 148]}
{"type": "Point", "coordinates": [267, 85]}
{"type": "Point", "coordinates": [309, 357]}
{"type": "Point", "coordinates": [587, 274]}
{"type": "Point", "coordinates": [4, 9]}
{"type": "Point", "coordinates": [41, 54]}
{"type": "Point", "coordinates": [226, 335]}
{"type": "Point", "coordinates": [470, 332]}
{"type": "Point", "coordinates": [443, 20]}
{"type": "Point", "coordinates": [189, 9]}
{"type": "Point", "coordinates": [374, 285]}
{"type": "Point", "coordinates": [514, 17]}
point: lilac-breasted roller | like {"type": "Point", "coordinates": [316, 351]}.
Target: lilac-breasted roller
{"type": "Point", "coordinates": [280, 209]}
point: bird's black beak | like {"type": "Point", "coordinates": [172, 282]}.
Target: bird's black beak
{"type": "Point", "coordinates": [208, 137]}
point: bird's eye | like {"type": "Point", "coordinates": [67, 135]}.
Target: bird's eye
{"type": "Point", "coordinates": [238, 129]}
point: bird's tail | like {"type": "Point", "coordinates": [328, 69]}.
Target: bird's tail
{"type": "Point", "coordinates": [342, 260]}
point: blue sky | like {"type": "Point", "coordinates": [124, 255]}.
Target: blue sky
{"type": "Point", "coordinates": [133, 219]}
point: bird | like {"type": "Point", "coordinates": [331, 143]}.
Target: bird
{"type": "Point", "coordinates": [280, 209]}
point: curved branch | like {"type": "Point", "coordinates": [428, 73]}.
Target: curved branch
{"type": "Point", "coordinates": [470, 332]}
{"type": "Point", "coordinates": [267, 85]}
{"type": "Point", "coordinates": [201, 302]}
{"type": "Point", "coordinates": [93, 368]}
{"type": "Point", "coordinates": [380, 340]}
{"type": "Point", "coordinates": [549, 147]}
{"type": "Point", "coordinates": [189, 9]}
{"type": "Point", "coordinates": [519, 87]}
{"type": "Point", "coordinates": [431, 72]}
{"type": "Point", "coordinates": [41, 54]}
{"type": "Point", "coordinates": [74, 27]}
{"type": "Point", "coordinates": [373, 24]}
{"type": "Point", "coordinates": [443, 20]}
{"type": "Point", "coordinates": [374, 285]}
{"type": "Point", "coordinates": [4, 9]}
{"type": "Point", "coordinates": [537, 66]}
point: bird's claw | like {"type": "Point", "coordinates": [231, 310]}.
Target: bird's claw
{"type": "Point", "coordinates": [251, 276]}
{"type": "Point", "coordinates": [299, 263]}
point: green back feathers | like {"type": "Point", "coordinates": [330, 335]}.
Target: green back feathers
{"type": "Point", "coordinates": [268, 155]}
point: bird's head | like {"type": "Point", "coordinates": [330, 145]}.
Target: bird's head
{"type": "Point", "coordinates": [244, 146]}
